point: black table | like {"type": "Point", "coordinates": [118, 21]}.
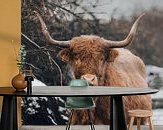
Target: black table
{"type": "Point", "coordinates": [117, 117]}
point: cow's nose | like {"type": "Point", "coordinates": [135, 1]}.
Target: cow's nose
{"type": "Point", "coordinates": [92, 79]}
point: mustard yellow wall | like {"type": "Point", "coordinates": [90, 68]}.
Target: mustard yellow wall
{"type": "Point", "coordinates": [10, 29]}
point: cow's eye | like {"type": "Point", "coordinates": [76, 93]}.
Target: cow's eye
{"type": "Point", "coordinates": [78, 62]}
{"type": "Point", "coordinates": [102, 58]}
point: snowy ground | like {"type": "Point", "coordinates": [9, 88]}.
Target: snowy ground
{"type": "Point", "coordinates": [158, 113]}
{"type": "Point", "coordinates": [155, 80]}
{"type": "Point", "coordinates": [158, 116]}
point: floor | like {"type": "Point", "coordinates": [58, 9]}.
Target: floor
{"type": "Point", "coordinates": [79, 127]}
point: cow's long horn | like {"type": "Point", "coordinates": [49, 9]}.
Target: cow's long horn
{"type": "Point", "coordinates": [64, 44]}
{"type": "Point", "coordinates": [129, 38]}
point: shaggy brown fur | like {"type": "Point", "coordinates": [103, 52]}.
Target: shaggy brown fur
{"type": "Point", "coordinates": [112, 67]}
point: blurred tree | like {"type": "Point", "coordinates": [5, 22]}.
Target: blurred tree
{"type": "Point", "coordinates": [148, 44]}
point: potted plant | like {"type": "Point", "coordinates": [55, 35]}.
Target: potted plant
{"type": "Point", "coordinates": [21, 58]}
{"type": "Point", "coordinates": [18, 81]}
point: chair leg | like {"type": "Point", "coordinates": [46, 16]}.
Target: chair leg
{"type": "Point", "coordinates": [150, 123]}
{"type": "Point", "coordinates": [90, 119]}
{"type": "Point", "coordinates": [131, 123]}
{"type": "Point", "coordinates": [69, 121]}
{"type": "Point", "coordinates": [138, 123]}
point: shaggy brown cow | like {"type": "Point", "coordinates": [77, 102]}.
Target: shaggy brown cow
{"type": "Point", "coordinates": [106, 63]}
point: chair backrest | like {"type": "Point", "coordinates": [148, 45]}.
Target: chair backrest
{"type": "Point", "coordinates": [78, 83]}
{"type": "Point", "coordinates": [79, 102]}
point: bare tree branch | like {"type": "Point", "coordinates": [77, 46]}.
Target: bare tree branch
{"type": "Point", "coordinates": [46, 52]}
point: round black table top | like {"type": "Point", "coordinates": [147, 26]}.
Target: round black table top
{"type": "Point", "coordinates": [65, 91]}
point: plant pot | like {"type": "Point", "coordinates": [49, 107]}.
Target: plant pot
{"type": "Point", "coordinates": [18, 82]}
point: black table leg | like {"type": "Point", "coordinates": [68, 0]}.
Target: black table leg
{"type": "Point", "coordinates": [9, 113]}
{"type": "Point", "coordinates": [117, 116]}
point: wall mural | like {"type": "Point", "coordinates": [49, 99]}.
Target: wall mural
{"type": "Point", "coordinates": [64, 20]}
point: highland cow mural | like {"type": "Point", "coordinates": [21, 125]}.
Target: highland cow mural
{"type": "Point", "coordinates": [62, 45]}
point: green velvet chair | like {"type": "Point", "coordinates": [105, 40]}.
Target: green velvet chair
{"type": "Point", "coordinates": [79, 103]}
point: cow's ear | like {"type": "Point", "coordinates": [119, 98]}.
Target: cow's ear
{"type": "Point", "coordinates": [64, 55]}
{"type": "Point", "coordinates": [113, 55]}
